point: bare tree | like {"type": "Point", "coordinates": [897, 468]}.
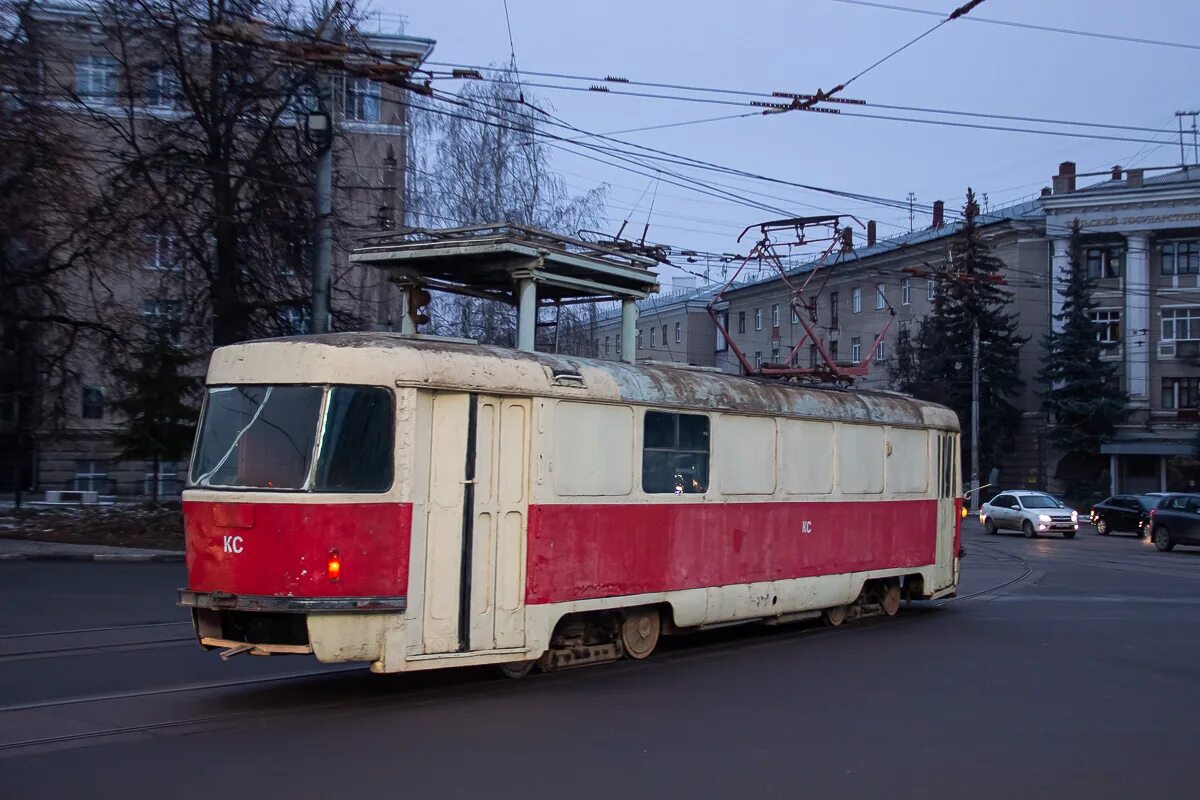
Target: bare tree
{"type": "Point", "coordinates": [209, 129]}
{"type": "Point", "coordinates": [57, 242]}
{"type": "Point", "coordinates": [482, 158]}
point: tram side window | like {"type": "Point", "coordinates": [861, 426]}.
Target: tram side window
{"type": "Point", "coordinates": [356, 450]}
{"type": "Point", "coordinates": [675, 450]}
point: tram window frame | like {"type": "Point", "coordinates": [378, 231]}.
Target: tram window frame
{"type": "Point", "coordinates": [668, 438]}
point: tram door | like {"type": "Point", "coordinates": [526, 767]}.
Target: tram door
{"type": "Point", "coordinates": [946, 448]}
{"type": "Point", "coordinates": [475, 538]}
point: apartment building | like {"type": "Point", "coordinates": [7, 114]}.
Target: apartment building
{"type": "Point", "coordinates": [673, 326]}
{"type": "Point", "coordinates": [78, 453]}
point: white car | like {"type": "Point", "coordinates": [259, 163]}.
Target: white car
{"type": "Point", "coordinates": [1030, 513]}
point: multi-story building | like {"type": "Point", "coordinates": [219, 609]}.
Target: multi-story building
{"type": "Point", "coordinates": [672, 326]}
{"type": "Point", "coordinates": [78, 453]}
{"type": "Point", "coordinates": [1141, 240]}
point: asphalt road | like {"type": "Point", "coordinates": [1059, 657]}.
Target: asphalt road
{"type": "Point", "coordinates": [1065, 669]}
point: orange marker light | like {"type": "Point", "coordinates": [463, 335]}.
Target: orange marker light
{"type": "Point", "coordinates": [334, 567]}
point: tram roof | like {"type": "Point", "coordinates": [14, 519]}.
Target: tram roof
{"type": "Point", "coordinates": [401, 360]}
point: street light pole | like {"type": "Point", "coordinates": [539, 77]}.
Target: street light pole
{"type": "Point", "coordinates": [320, 124]}
{"type": "Point", "coordinates": [975, 417]}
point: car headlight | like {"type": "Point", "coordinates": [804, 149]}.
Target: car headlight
{"type": "Point", "coordinates": [1074, 516]}
{"type": "Point", "coordinates": [1043, 517]}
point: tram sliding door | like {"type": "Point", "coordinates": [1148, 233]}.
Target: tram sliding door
{"type": "Point", "coordinates": [946, 449]}
{"type": "Point", "coordinates": [477, 511]}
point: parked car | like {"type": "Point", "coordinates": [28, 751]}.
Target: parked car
{"type": "Point", "coordinates": [1030, 513]}
{"type": "Point", "coordinates": [1176, 520]}
{"type": "Point", "coordinates": [1127, 513]}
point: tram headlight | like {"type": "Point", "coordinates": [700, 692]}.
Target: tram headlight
{"type": "Point", "coordinates": [1043, 517]}
{"type": "Point", "coordinates": [334, 567]}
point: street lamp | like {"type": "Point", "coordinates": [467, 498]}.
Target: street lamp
{"type": "Point", "coordinates": [319, 128]}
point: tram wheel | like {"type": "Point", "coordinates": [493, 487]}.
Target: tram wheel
{"type": "Point", "coordinates": [516, 669]}
{"type": "Point", "coordinates": [639, 632]}
{"type": "Point", "coordinates": [891, 600]}
{"type": "Point", "coordinates": [834, 616]}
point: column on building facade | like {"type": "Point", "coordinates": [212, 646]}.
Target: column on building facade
{"type": "Point", "coordinates": [629, 318]}
{"type": "Point", "coordinates": [1137, 318]}
{"type": "Point", "coordinates": [1060, 263]}
{"type": "Point", "coordinates": [1114, 477]}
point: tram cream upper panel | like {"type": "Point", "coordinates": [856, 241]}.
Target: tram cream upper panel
{"type": "Point", "coordinates": [392, 359]}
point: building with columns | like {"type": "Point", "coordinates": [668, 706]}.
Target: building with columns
{"type": "Point", "coordinates": [1141, 239]}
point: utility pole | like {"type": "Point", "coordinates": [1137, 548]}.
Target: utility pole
{"type": "Point", "coordinates": [1179, 115]}
{"type": "Point", "coordinates": [323, 237]}
{"type": "Point", "coordinates": [912, 198]}
{"type": "Point", "coordinates": [975, 418]}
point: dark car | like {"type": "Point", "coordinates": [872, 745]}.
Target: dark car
{"type": "Point", "coordinates": [1123, 513]}
{"type": "Point", "coordinates": [1176, 520]}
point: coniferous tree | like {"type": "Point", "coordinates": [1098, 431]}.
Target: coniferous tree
{"type": "Point", "coordinates": [1084, 397]}
{"type": "Point", "coordinates": [937, 360]}
{"type": "Point", "coordinates": [156, 397]}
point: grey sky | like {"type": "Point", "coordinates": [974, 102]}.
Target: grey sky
{"type": "Point", "coordinates": [802, 46]}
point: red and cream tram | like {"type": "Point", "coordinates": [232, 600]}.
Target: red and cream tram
{"type": "Point", "coordinates": [416, 503]}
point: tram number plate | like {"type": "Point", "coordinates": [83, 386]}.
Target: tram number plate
{"type": "Point", "coordinates": [233, 544]}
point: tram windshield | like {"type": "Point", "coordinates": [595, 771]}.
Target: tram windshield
{"type": "Point", "coordinates": [295, 438]}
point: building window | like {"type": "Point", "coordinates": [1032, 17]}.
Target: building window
{"type": "Point", "coordinates": [758, 319]}
{"type": "Point", "coordinates": [664, 335]}
{"type": "Point", "coordinates": [905, 291]}
{"type": "Point", "coordinates": [1180, 392]}
{"type": "Point", "coordinates": [168, 478]}
{"type": "Point", "coordinates": [362, 100]}
{"type": "Point", "coordinates": [1180, 258]}
{"type": "Point", "coordinates": [1180, 324]}
{"type": "Point", "coordinates": [812, 356]}
{"type": "Point", "coordinates": [675, 453]}
{"type": "Point", "coordinates": [855, 300]}
{"type": "Point", "coordinates": [930, 290]}
{"type": "Point", "coordinates": [855, 350]}
{"type": "Point", "coordinates": [295, 320]}
{"type": "Point", "coordinates": [741, 322]}
{"type": "Point", "coordinates": [618, 344]}
{"type": "Point", "coordinates": [678, 332]}
{"type": "Point", "coordinates": [722, 342]}
{"type": "Point", "coordinates": [833, 352]}
{"type": "Point", "coordinates": [795, 316]}
{"type": "Point", "coordinates": [879, 354]}
{"type": "Point", "coordinates": [96, 77]}
{"type": "Point", "coordinates": [774, 355]}
{"type": "Point", "coordinates": [1108, 326]}
{"type": "Point", "coordinates": [607, 345]}
{"type": "Point", "coordinates": [639, 339]}
{"type": "Point", "coordinates": [93, 403]}
{"type": "Point", "coordinates": [162, 256]}
{"type": "Point", "coordinates": [758, 359]}
{"type": "Point", "coordinates": [653, 333]}
{"type": "Point", "coordinates": [880, 297]}
{"type": "Point", "coordinates": [833, 311]}
{"type": "Point", "coordinates": [91, 475]}
{"type": "Point", "coordinates": [1103, 262]}
{"type": "Point", "coordinates": [162, 88]}
{"type": "Point", "coordinates": [775, 316]}
{"type": "Point", "coordinates": [162, 315]}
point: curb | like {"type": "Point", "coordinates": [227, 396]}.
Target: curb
{"type": "Point", "coordinates": [139, 558]}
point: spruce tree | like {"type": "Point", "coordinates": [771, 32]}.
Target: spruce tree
{"type": "Point", "coordinates": [969, 290]}
{"type": "Point", "coordinates": [156, 396]}
{"type": "Point", "coordinates": [1083, 396]}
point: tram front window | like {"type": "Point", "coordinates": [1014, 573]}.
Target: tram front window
{"type": "Point", "coordinates": [270, 437]}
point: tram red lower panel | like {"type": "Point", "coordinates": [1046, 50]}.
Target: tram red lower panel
{"type": "Point", "coordinates": [584, 551]}
{"type": "Point", "coordinates": [283, 549]}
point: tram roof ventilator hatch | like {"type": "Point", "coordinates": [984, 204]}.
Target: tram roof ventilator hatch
{"type": "Point", "coordinates": [519, 265]}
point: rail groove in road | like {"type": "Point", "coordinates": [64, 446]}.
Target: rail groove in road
{"type": "Point", "coordinates": [724, 645]}
{"type": "Point", "coordinates": [106, 628]}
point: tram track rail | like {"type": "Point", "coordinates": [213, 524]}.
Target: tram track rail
{"type": "Point", "coordinates": [709, 649]}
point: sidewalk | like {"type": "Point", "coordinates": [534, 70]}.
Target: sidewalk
{"type": "Point", "coordinates": [23, 550]}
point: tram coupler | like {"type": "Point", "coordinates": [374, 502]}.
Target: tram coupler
{"type": "Point", "coordinates": [235, 651]}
